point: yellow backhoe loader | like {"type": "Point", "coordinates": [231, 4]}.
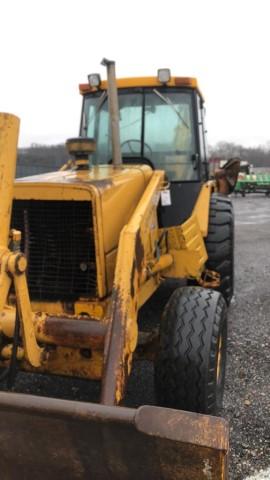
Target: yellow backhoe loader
{"type": "Point", "coordinates": [81, 251]}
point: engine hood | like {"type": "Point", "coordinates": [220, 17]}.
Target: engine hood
{"type": "Point", "coordinates": [114, 194]}
{"type": "Point", "coordinates": [101, 177]}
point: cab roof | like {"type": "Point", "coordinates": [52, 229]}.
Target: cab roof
{"type": "Point", "coordinates": [188, 82]}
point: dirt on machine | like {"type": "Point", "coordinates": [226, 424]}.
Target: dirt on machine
{"type": "Point", "coordinates": [82, 250]}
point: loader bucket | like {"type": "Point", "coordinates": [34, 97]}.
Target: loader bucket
{"type": "Point", "coordinates": [61, 439]}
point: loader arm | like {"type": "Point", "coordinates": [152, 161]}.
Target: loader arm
{"type": "Point", "coordinates": [133, 277]}
{"type": "Point", "coordinates": [13, 264]}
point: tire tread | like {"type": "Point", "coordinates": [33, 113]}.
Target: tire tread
{"type": "Point", "coordinates": [185, 367]}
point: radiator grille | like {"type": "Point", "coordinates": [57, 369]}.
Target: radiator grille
{"type": "Point", "coordinates": [58, 240]}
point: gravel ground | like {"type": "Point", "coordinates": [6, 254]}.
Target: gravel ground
{"type": "Point", "coordinates": [247, 395]}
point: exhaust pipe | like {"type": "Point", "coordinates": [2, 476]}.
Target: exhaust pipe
{"type": "Point", "coordinates": [113, 111]}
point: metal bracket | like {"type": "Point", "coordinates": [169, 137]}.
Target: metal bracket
{"type": "Point", "coordinates": [209, 279]}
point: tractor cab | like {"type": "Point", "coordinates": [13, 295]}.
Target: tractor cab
{"type": "Point", "coordinates": [161, 124]}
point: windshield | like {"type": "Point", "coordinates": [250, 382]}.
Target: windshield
{"type": "Point", "coordinates": [156, 126]}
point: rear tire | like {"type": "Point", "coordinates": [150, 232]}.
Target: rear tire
{"type": "Point", "coordinates": [190, 366]}
{"type": "Point", "coordinates": [220, 243]}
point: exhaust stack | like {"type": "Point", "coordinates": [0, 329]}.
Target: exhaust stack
{"type": "Point", "coordinates": [113, 111]}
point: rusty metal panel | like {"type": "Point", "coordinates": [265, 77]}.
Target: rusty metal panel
{"type": "Point", "coordinates": [70, 332]}
{"type": "Point", "coordinates": [44, 437]}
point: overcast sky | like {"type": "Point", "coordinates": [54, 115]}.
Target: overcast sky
{"type": "Point", "coordinates": [49, 46]}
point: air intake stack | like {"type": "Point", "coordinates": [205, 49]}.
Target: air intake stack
{"type": "Point", "coordinates": [80, 148]}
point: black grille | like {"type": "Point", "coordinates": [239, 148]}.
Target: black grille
{"type": "Point", "coordinates": [58, 240]}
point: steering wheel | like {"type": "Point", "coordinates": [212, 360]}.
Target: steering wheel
{"type": "Point", "coordinates": [136, 156]}
{"type": "Point", "coordinates": [135, 140]}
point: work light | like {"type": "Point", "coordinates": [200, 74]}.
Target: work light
{"type": "Point", "coordinates": [94, 80]}
{"type": "Point", "coordinates": [164, 75]}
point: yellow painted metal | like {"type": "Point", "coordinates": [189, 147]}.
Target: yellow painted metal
{"type": "Point", "coordinates": [164, 262]}
{"type": "Point", "coordinates": [50, 191]}
{"type": "Point", "coordinates": [9, 131]}
{"type": "Point", "coordinates": [120, 194]}
{"type": "Point", "coordinates": [109, 190]}
{"type": "Point", "coordinates": [13, 263]}
{"type": "Point", "coordinates": [143, 82]}
{"type": "Point", "coordinates": [16, 264]}
{"type": "Point", "coordinates": [103, 177]}
{"type": "Point", "coordinates": [5, 278]}
{"type": "Point", "coordinates": [53, 308]}
{"type": "Point", "coordinates": [88, 306]}
{"type": "Point", "coordinates": [94, 309]}
{"type": "Point", "coordinates": [7, 321]}
{"type": "Point", "coordinates": [99, 243]}
{"type": "Point", "coordinates": [201, 208]}
{"type": "Point", "coordinates": [186, 245]}
{"type": "Point", "coordinates": [70, 362]}
{"type": "Point", "coordinates": [147, 290]}
{"type": "Point", "coordinates": [83, 360]}
{"type": "Point", "coordinates": [136, 249]}
{"type": "Point", "coordinates": [110, 262]}
{"type": "Point", "coordinates": [6, 352]}
{"type": "Point", "coordinates": [32, 351]}
{"type": "Point", "coordinates": [119, 203]}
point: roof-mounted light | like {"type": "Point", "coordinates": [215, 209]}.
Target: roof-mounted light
{"type": "Point", "coordinates": [164, 75]}
{"type": "Point", "coordinates": [94, 80]}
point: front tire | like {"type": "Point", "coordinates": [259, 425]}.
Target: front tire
{"type": "Point", "coordinates": [190, 366]}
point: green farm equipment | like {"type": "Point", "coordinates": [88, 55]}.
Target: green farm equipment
{"type": "Point", "coordinates": [253, 183]}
